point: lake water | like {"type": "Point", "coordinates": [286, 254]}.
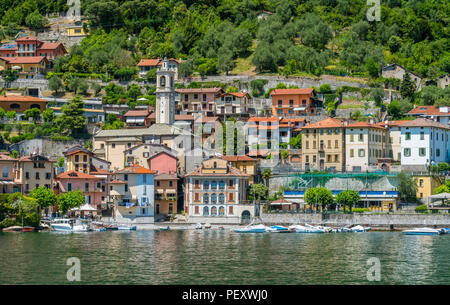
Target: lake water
{"type": "Point", "coordinates": [223, 257]}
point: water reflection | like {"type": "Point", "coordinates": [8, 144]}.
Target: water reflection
{"type": "Point", "coordinates": [223, 257]}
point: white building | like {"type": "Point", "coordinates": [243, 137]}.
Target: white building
{"type": "Point", "coordinates": [424, 143]}
{"type": "Point", "coordinates": [394, 143]}
{"type": "Point", "coordinates": [365, 144]}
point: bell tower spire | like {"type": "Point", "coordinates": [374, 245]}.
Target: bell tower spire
{"type": "Point", "coordinates": [165, 94]}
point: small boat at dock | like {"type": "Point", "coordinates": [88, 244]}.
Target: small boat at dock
{"type": "Point", "coordinates": [279, 229]}
{"type": "Point", "coordinates": [164, 228]}
{"type": "Point", "coordinates": [422, 231]}
{"type": "Point", "coordinates": [252, 229]}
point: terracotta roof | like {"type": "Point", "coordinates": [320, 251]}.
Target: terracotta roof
{"type": "Point", "coordinates": [264, 119]}
{"type": "Point", "coordinates": [292, 91]}
{"type": "Point", "coordinates": [137, 113]}
{"type": "Point", "coordinates": [327, 123]}
{"type": "Point", "coordinates": [281, 201]}
{"type": "Point", "coordinates": [76, 175]}
{"type": "Point", "coordinates": [25, 59]}
{"type": "Point", "coordinates": [238, 158]}
{"type": "Point", "coordinates": [421, 122]}
{"type": "Point", "coordinates": [20, 98]}
{"type": "Point", "coordinates": [391, 123]}
{"type": "Point", "coordinates": [6, 157]}
{"type": "Point", "coordinates": [28, 159]}
{"type": "Point", "coordinates": [199, 90]}
{"type": "Point", "coordinates": [26, 38]}
{"type": "Point", "coordinates": [237, 94]}
{"type": "Point", "coordinates": [135, 169]}
{"type": "Point", "coordinates": [232, 171]}
{"type": "Point", "coordinates": [286, 120]}
{"type": "Point", "coordinates": [364, 125]}
{"type": "Point", "coordinates": [50, 45]}
{"type": "Point", "coordinates": [153, 62]}
{"type": "Point", "coordinates": [428, 110]}
{"type": "Point", "coordinates": [99, 171]}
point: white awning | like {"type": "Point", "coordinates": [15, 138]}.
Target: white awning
{"type": "Point", "coordinates": [300, 109]}
{"type": "Point", "coordinates": [135, 120]}
{"type": "Point", "coordinates": [6, 182]}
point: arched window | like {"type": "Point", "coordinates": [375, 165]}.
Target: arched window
{"type": "Point", "coordinates": [14, 106]}
{"type": "Point", "coordinates": [221, 185]}
{"type": "Point", "coordinates": [205, 198]}
{"type": "Point", "coordinates": [205, 211]}
{"type": "Point", "coordinates": [213, 198]}
{"type": "Point", "coordinates": [206, 185]}
{"type": "Point", "coordinates": [162, 81]}
{"type": "Point", "coordinates": [35, 106]}
{"type": "Point", "coordinates": [221, 211]}
{"type": "Point", "coordinates": [221, 198]}
{"type": "Point", "coordinates": [213, 211]}
{"type": "Point", "coordinates": [215, 164]}
{"type": "Point", "coordinates": [214, 185]}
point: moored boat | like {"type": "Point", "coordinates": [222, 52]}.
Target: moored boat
{"type": "Point", "coordinates": [164, 228]}
{"type": "Point", "coordinates": [359, 228]}
{"type": "Point", "coordinates": [198, 226]}
{"type": "Point", "coordinates": [252, 229]}
{"type": "Point", "coordinates": [422, 231]}
{"type": "Point", "coordinates": [279, 229]}
{"type": "Point", "coordinates": [27, 229]}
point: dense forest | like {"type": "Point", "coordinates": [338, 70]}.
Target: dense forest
{"type": "Point", "coordinates": [301, 36]}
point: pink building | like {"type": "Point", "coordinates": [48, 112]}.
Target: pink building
{"type": "Point", "coordinates": [90, 185]}
{"type": "Point", "coordinates": [163, 163]}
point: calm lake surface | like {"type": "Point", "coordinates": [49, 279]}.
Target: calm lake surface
{"type": "Point", "coordinates": [223, 257]}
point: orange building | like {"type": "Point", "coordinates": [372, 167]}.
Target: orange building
{"type": "Point", "coordinates": [294, 102]}
{"type": "Point", "coordinates": [19, 103]}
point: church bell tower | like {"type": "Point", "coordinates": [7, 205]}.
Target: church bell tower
{"type": "Point", "coordinates": [165, 94]}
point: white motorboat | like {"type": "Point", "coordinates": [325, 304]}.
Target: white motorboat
{"type": "Point", "coordinates": [252, 229]}
{"type": "Point", "coordinates": [422, 231]}
{"type": "Point", "coordinates": [279, 229]}
{"type": "Point", "coordinates": [198, 226]}
{"type": "Point", "coordinates": [207, 226]}
{"type": "Point", "coordinates": [359, 228]}
{"type": "Point", "coordinates": [310, 229]}
{"type": "Point", "coordinates": [68, 225]}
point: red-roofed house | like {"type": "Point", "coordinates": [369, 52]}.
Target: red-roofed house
{"type": "Point", "coordinates": [138, 118]}
{"type": "Point", "coordinates": [19, 103]}
{"type": "Point", "coordinates": [323, 145]}
{"type": "Point", "coordinates": [146, 65]}
{"type": "Point", "coordinates": [29, 46]}
{"type": "Point", "coordinates": [134, 199]}
{"type": "Point", "coordinates": [196, 100]}
{"type": "Point", "coordinates": [440, 114]}
{"type": "Point", "coordinates": [294, 102]}
{"type": "Point", "coordinates": [90, 185]}
{"type": "Point", "coordinates": [365, 145]}
{"type": "Point", "coordinates": [233, 104]}
{"type": "Point", "coordinates": [28, 67]}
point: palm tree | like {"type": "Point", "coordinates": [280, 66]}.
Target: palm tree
{"type": "Point", "coordinates": [266, 175]}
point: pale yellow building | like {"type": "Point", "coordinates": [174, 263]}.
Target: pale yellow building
{"type": "Point", "coordinates": [323, 145]}
{"type": "Point", "coordinates": [34, 171]}
{"type": "Point", "coordinates": [245, 164]}
{"type": "Point", "coordinates": [426, 185]}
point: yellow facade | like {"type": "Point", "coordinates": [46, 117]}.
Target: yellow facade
{"type": "Point", "coordinates": [82, 165]}
{"type": "Point", "coordinates": [248, 167]}
{"type": "Point", "coordinates": [426, 185]}
{"type": "Point", "coordinates": [323, 148]}
{"type": "Point", "coordinates": [76, 31]}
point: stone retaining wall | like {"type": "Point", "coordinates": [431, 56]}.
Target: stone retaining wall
{"type": "Point", "coordinates": [373, 220]}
